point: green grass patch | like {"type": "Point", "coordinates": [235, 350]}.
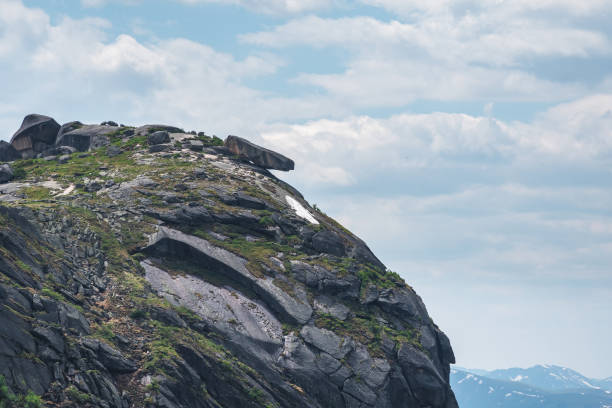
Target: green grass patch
{"type": "Point", "coordinates": [365, 329]}
{"type": "Point", "coordinates": [10, 400]}
{"type": "Point", "coordinates": [77, 396]}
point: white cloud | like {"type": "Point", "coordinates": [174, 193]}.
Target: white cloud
{"type": "Point", "coordinates": [503, 7]}
{"type": "Point", "coordinates": [577, 131]}
{"type": "Point", "coordinates": [93, 3]}
{"type": "Point", "coordinates": [77, 72]}
{"type": "Point", "coordinates": [372, 82]}
{"type": "Point", "coordinates": [483, 55]}
{"type": "Point", "coordinates": [100, 3]}
{"type": "Point", "coordinates": [471, 39]}
{"type": "Point", "coordinates": [272, 6]}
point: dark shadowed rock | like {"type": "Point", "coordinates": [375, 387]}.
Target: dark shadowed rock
{"type": "Point", "coordinates": [425, 381]}
{"type": "Point", "coordinates": [328, 242]}
{"type": "Point", "coordinates": [36, 134]}
{"type": "Point", "coordinates": [159, 137]}
{"type": "Point", "coordinates": [86, 137]}
{"type": "Point", "coordinates": [113, 151]}
{"type": "Point", "coordinates": [6, 173]}
{"type": "Point", "coordinates": [8, 152]}
{"type": "Point", "coordinates": [112, 359]}
{"type": "Point", "coordinates": [184, 215]}
{"type": "Point", "coordinates": [57, 151]}
{"type": "Point", "coordinates": [160, 148]}
{"type": "Point", "coordinates": [196, 145]}
{"type": "Point", "coordinates": [243, 200]}
{"type": "Point", "coordinates": [52, 336]}
{"type": "Point", "coordinates": [260, 156]}
{"type": "Point", "coordinates": [402, 302]}
{"type": "Point", "coordinates": [167, 316]}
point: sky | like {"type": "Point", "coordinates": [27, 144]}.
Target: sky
{"type": "Point", "coordinates": [468, 142]}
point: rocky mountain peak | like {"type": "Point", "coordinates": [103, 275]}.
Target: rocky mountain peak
{"type": "Point", "coordinates": [153, 267]}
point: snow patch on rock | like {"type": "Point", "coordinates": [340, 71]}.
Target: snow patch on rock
{"type": "Point", "coordinates": [300, 211]}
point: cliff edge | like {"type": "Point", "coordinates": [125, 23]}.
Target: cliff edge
{"type": "Point", "coordinates": [150, 267]}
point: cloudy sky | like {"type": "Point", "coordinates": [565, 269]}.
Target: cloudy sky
{"type": "Point", "coordinates": [469, 142]}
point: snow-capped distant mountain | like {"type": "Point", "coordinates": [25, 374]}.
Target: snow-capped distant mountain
{"type": "Point", "coordinates": [546, 377]}
{"type": "Point", "coordinates": [477, 391]}
{"type": "Point", "coordinates": [605, 384]}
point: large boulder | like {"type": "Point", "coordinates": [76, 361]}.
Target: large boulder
{"type": "Point", "coordinates": [260, 156]}
{"type": "Point", "coordinates": [6, 173]}
{"type": "Point", "coordinates": [36, 134]}
{"type": "Point", "coordinates": [8, 152]}
{"type": "Point", "coordinates": [84, 137]}
{"type": "Point", "coordinates": [159, 137]}
{"type": "Point", "coordinates": [69, 127]}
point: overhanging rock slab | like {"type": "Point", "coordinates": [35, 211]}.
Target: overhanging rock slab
{"type": "Point", "coordinates": [167, 241]}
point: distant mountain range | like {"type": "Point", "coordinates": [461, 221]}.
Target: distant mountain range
{"type": "Point", "coordinates": [540, 386]}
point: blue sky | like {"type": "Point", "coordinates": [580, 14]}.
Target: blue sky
{"type": "Point", "coordinates": [468, 142]}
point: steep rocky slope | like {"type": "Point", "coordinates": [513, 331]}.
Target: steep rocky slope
{"type": "Point", "coordinates": [153, 267]}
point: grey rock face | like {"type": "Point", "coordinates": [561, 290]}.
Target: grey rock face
{"type": "Point", "coordinates": [109, 357]}
{"type": "Point", "coordinates": [327, 305]}
{"type": "Point", "coordinates": [243, 200]}
{"type": "Point", "coordinates": [36, 134]}
{"type": "Point", "coordinates": [35, 354]}
{"type": "Point", "coordinates": [6, 173]}
{"type": "Point", "coordinates": [328, 242]}
{"type": "Point", "coordinates": [196, 145]}
{"type": "Point", "coordinates": [229, 310]}
{"type": "Point", "coordinates": [425, 381]}
{"type": "Point", "coordinates": [327, 281]}
{"type": "Point", "coordinates": [258, 155]}
{"type": "Point", "coordinates": [156, 148]}
{"type": "Point", "coordinates": [85, 137]}
{"type": "Point", "coordinates": [173, 242]}
{"type": "Point", "coordinates": [8, 152]}
{"type": "Point", "coordinates": [69, 127]}
{"type": "Point", "coordinates": [402, 302]}
{"type": "Point", "coordinates": [159, 137]}
{"type": "Point", "coordinates": [128, 189]}
{"type": "Point", "coordinates": [327, 341]}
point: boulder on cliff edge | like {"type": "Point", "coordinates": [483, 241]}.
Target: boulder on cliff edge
{"type": "Point", "coordinates": [260, 156]}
